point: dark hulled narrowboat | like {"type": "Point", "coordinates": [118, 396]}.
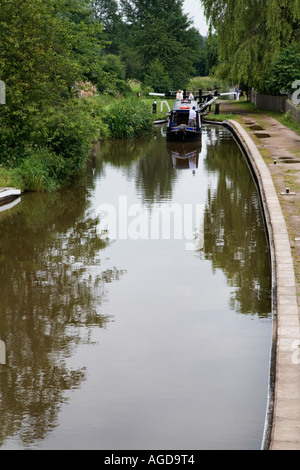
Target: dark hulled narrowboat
{"type": "Point", "coordinates": [179, 128]}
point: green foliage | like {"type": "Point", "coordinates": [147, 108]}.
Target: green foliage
{"type": "Point", "coordinates": [205, 84]}
{"type": "Point", "coordinates": [288, 120]}
{"type": "Point", "coordinates": [57, 150]}
{"type": "Point", "coordinates": [67, 130]}
{"type": "Point", "coordinates": [285, 69]}
{"type": "Point", "coordinates": [211, 51]}
{"type": "Point", "coordinates": [200, 64]}
{"type": "Point", "coordinates": [128, 118]}
{"type": "Point", "coordinates": [159, 30]}
{"type": "Point", "coordinates": [49, 48]}
{"type": "Point", "coordinates": [112, 76]}
{"type": "Point", "coordinates": [5, 178]}
{"type": "Point", "coordinates": [250, 34]}
{"type": "Point", "coordinates": [46, 48]}
{"type": "Point", "coordinates": [44, 51]}
{"type": "Point", "coordinates": [113, 65]}
{"type": "Point", "coordinates": [41, 170]}
{"type": "Point", "coordinates": [107, 13]}
{"type": "Point", "coordinates": [157, 77]}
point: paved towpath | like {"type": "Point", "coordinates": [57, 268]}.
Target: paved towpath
{"type": "Point", "coordinates": [275, 153]}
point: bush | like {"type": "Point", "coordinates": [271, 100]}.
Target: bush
{"type": "Point", "coordinates": [157, 78]}
{"type": "Point", "coordinates": [205, 84]}
{"type": "Point", "coordinates": [53, 147]}
{"type": "Point", "coordinates": [42, 170]}
{"type": "Point", "coordinates": [284, 71]}
{"type": "Point", "coordinates": [128, 118]}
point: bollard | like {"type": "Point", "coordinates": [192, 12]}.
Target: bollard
{"type": "Point", "coordinates": [275, 162]}
{"type": "Point", "coordinates": [154, 107]}
{"type": "Point", "coordinates": [287, 190]}
{"type": "Point", "coordinates": [217, 109]}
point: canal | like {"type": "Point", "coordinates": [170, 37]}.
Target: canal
{"type": "Point", "coordinates": [136, 306]}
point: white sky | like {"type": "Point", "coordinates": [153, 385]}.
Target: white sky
{"type": "Point", "coordinates": [195, 11]}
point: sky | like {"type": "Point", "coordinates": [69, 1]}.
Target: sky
{"type": "Point", "coordinates": [195, 11]}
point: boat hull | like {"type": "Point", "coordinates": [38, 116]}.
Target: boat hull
{"type": "Point", "coordinates": [183, 134]}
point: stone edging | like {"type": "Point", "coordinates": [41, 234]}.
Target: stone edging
{"type": "Point", "coordinates": [282, 429]}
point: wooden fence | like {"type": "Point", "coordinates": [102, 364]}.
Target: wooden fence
{"type": "Point", "coordinates": [275, 103]}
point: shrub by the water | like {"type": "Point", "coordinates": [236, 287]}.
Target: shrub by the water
{"type": "Point", "coordinates": [128, 118]}
{"type": "Point", "coordinates": [55, 147]}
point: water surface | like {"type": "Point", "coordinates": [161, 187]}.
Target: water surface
{"type": "Point", "coordinates": [126, 336]}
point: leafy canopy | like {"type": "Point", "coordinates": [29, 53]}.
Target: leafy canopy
{"type": "Point", "coordinates": [158, 30]}
{"type": "Point", "coordinates": [250, 35]}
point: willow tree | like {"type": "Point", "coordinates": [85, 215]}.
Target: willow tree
{"type": "Point", "coordinates": [250, 34]}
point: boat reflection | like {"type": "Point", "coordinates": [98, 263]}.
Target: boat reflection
{"type": "Point", "coordinates": [184, 155]}
{"type": "Point", "coordinates": [8, 204]}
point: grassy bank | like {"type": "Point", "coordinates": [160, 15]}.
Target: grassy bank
{"type": "Point", "coordinates": [56, 143]}
{"type": "Point", "coordinates": [288, 121]}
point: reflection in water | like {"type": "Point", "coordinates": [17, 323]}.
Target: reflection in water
{"type": "Point", "coordinates": [177, 365]}
{"type": "Point", "coordinates": [234, 237]}
{"type": "Point", "coordinates": [142, 161]}
{"type": "Point", "coordinates": [184, 155]}
{"type": "Point", "coordinates": [49, 288]}
{"type": "Point", "coordinates": [9, 205]}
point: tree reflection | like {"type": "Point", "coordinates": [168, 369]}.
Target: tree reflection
{"type": "Point", "coordinates": [51, 283]}
{"type": "Point", "coordinates": [152, 172]}
{"type": "Point", "coordinates": [155, 177]}
{"type": "Point", "coordinates": [234, 232]}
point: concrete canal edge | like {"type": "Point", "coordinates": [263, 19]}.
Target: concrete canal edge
{"type": "Point", "coordinates": [282, 425]}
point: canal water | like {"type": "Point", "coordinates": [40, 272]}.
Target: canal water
{"type": "Point", "coordinates": [135, 306]}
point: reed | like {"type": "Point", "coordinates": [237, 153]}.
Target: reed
{"type": "Point", "coordinates": [128, 118]}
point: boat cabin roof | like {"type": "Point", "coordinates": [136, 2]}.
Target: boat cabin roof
{"type": "Point", "coordinates": [185, 105]}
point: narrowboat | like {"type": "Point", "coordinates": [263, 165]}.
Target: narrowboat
{"type": "Point", "coordinates": [179, 128]}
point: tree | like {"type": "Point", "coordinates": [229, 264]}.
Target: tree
{"type": "Point", "coordinates": [211, 51]}
{"type": "Point", "coordinates": [285, 69]}
{"type": "Point", "coordinates": [200, 63]}
{"type": "Point", "coordinates": [45, 48]}
{"type": "Point", "coordinates": [159, 30]}
{"type": "Point", "coordinates": [251, 33]}
{"type": "Point", "coordinates": [157, 77]}
{"type": "Point", "coordinates": [107, 13]}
